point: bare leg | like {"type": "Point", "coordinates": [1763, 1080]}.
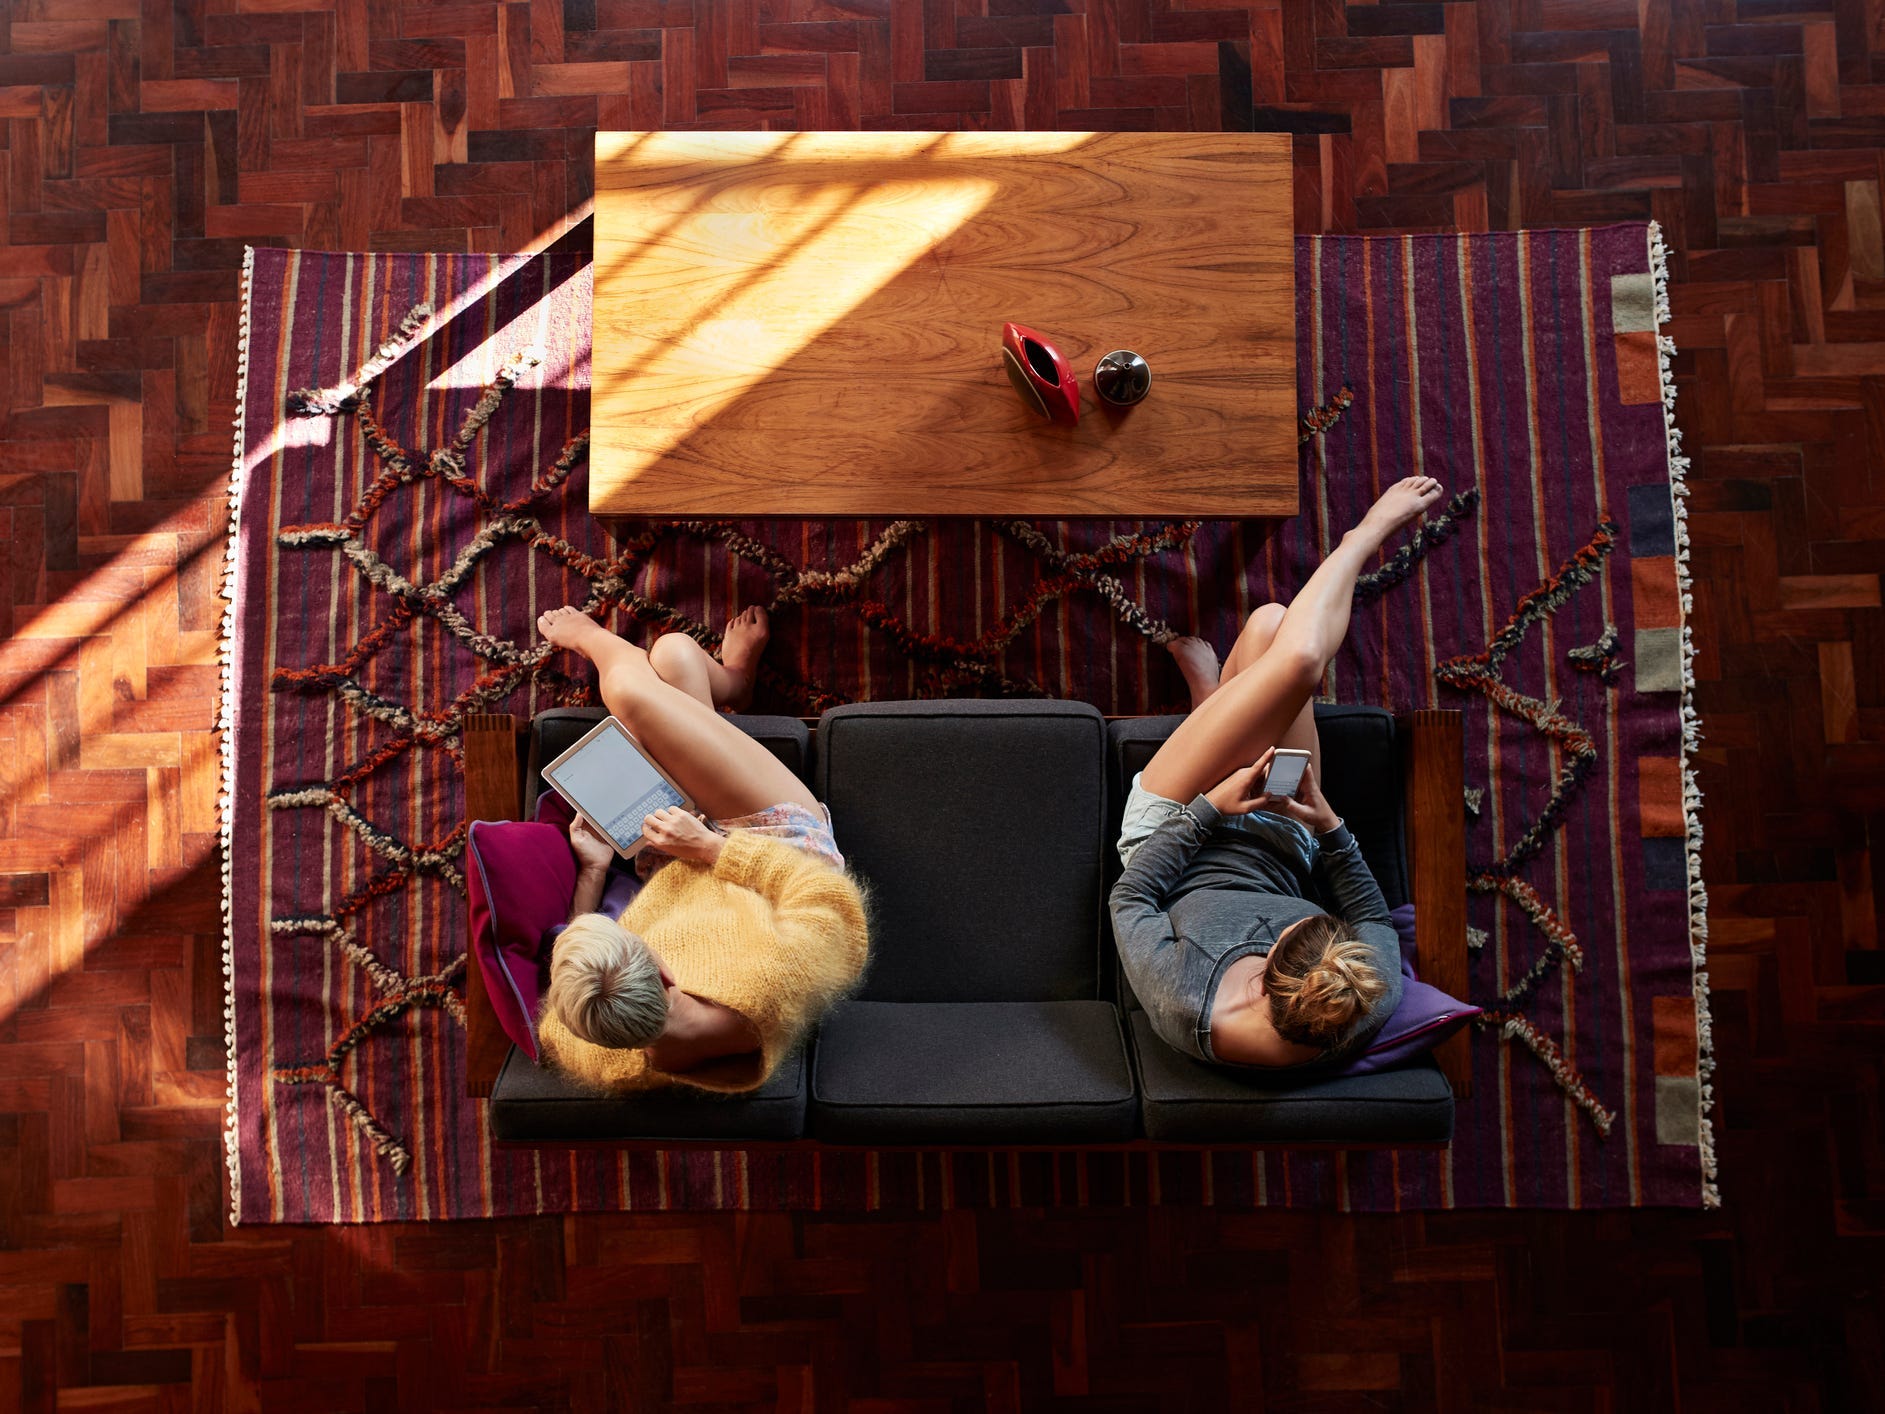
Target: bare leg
{"type": "Point", "coordinates": [727, 683]}
{"type": "Point", "coordinates": [1253, 708]}
{"type": "Point", "coordinates": [1258, 633]}
{"type": "Point", "coordinates": [723, 769]}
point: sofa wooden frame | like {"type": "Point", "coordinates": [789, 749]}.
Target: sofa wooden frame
{"type": "Point", "coordinates": [1435, 808]}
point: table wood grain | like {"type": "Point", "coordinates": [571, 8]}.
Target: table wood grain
{"type": "Point", "coordinates": [809, 323]}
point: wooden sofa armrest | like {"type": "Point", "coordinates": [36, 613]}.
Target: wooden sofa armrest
{"type": "Point", "coordinates": [1436, 844]}
{"type": "Point", "coordinates": [493, 791]}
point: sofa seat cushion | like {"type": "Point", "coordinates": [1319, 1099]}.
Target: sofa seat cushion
{"type": "Point", "coordinates": [975, 1073]}
{"type": "Point", "coordinates": [1187, 1102]}
{"type": "Point", "coordinates": [531, 1105]}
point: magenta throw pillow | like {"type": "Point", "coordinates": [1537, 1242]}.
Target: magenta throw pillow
{"type": "Point", "coordinates": [521, 879]}
{"type": "Point", "coordinates": [1425, 1017]}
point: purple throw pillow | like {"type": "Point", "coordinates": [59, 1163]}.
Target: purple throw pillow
{"type": "Point", "coordinates": [1425, 1017]}
{"type": "Point", "coordinates": [521, 879]}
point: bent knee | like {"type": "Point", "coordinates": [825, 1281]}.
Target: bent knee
{"type": "Point", "coordinates": [673, 653]}
{"type": "Point", "coordinates": [1267, 618]}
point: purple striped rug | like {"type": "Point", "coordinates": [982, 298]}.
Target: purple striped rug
{"type": "Point", "coordinates": [398, 532]}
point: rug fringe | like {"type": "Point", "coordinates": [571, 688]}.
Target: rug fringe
{"type": "Point", "coordinates": [226, 744]}
{"type": "Point", "coordinates": [1691, 733]}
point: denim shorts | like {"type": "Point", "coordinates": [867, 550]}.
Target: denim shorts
{"type": "Point", "coordinates": [1145, 812]}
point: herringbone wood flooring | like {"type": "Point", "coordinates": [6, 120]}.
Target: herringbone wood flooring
{"type": "Point", "coordinates": [146, 141]}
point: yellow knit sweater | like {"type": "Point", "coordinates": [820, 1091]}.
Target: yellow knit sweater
{"type": "Point", "coordinates": [767, 930]}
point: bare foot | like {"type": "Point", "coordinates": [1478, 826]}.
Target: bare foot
{"type": "Point", "coordinates": [569, 627]}
{"type": "Point", "coordinates": [741, 646]}
{"type": "Point", "coordinates": [1197, 660]}
{"type": "Point", "coordinates": [1398, 506]}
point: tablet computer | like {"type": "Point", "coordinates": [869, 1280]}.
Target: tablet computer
{"type": "Point", "coordinates": [612, 783]}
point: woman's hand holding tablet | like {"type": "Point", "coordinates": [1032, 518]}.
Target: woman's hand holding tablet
{"type": "Point", "coordinates": [614, 785]}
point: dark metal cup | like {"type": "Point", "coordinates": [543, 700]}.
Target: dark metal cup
{"type": "Point", "coordinates": [1122, 377]}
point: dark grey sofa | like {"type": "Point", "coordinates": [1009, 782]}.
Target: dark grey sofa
{"type": "Point", "coordinates": [993, 1013]}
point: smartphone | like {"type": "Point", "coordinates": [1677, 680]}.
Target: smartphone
{"type": "Point", "coordinates": [1286, 769]}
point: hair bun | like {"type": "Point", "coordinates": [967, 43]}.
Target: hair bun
{"type": "Point", "coordinates": [1336, 972]}
{"type": "Point", "coordinates": [1321, 982]}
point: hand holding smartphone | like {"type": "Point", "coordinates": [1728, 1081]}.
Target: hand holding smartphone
{"type": "Point", "coordinates": [1286, 768]}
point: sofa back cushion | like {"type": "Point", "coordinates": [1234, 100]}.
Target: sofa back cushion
{"type": "Point", "coordinates": [551, 734]}
{"type": "Point", "coordinates": [1361, 776]}
{"type": "Point", "coordinates": [978, 829]}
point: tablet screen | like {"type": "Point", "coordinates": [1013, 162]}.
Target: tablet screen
{"type": "Point", "coordinates": [614, 785]}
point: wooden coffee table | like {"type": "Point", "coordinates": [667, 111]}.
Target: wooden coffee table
{"type": "Point", "coordinates": [809, 324]}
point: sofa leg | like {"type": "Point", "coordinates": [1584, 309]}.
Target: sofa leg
{"type": "Point", "coordinates": [493, 791]}
{"type": "Point", "coordinates": [1436, 840]}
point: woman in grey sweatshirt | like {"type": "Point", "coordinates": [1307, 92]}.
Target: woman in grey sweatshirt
{"type": "Point", "coordinates": [1214, 921]}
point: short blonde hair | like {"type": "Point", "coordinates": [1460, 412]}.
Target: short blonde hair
{"type": "Point", "coordinates": [605, 985]}
{"type": "Point", "coordinates": [1320, 982]}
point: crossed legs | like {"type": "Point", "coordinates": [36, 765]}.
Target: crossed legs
{"type": "Point", "coordinates": [1198, 662]}
{"type": "Point", "coordinates": [1262, 697]}
{"type": "Point", "coordinates": [670, 698]}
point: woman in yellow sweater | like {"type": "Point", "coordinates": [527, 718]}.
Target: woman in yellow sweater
{"type": "Point", "coordinates": [740, 941]}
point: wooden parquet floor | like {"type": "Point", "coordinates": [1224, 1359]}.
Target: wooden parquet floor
{"type": "Point", "coordinates": [145, 141]}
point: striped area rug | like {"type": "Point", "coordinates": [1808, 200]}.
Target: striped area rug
{"type": "Point", "coordinates": [409, 493]}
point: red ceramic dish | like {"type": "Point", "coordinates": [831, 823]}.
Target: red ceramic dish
{"type": "Point", "coordinates": [1040, 375]}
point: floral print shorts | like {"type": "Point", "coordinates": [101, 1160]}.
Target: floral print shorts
{"type": "Point", "coordinates": [797, 825]}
